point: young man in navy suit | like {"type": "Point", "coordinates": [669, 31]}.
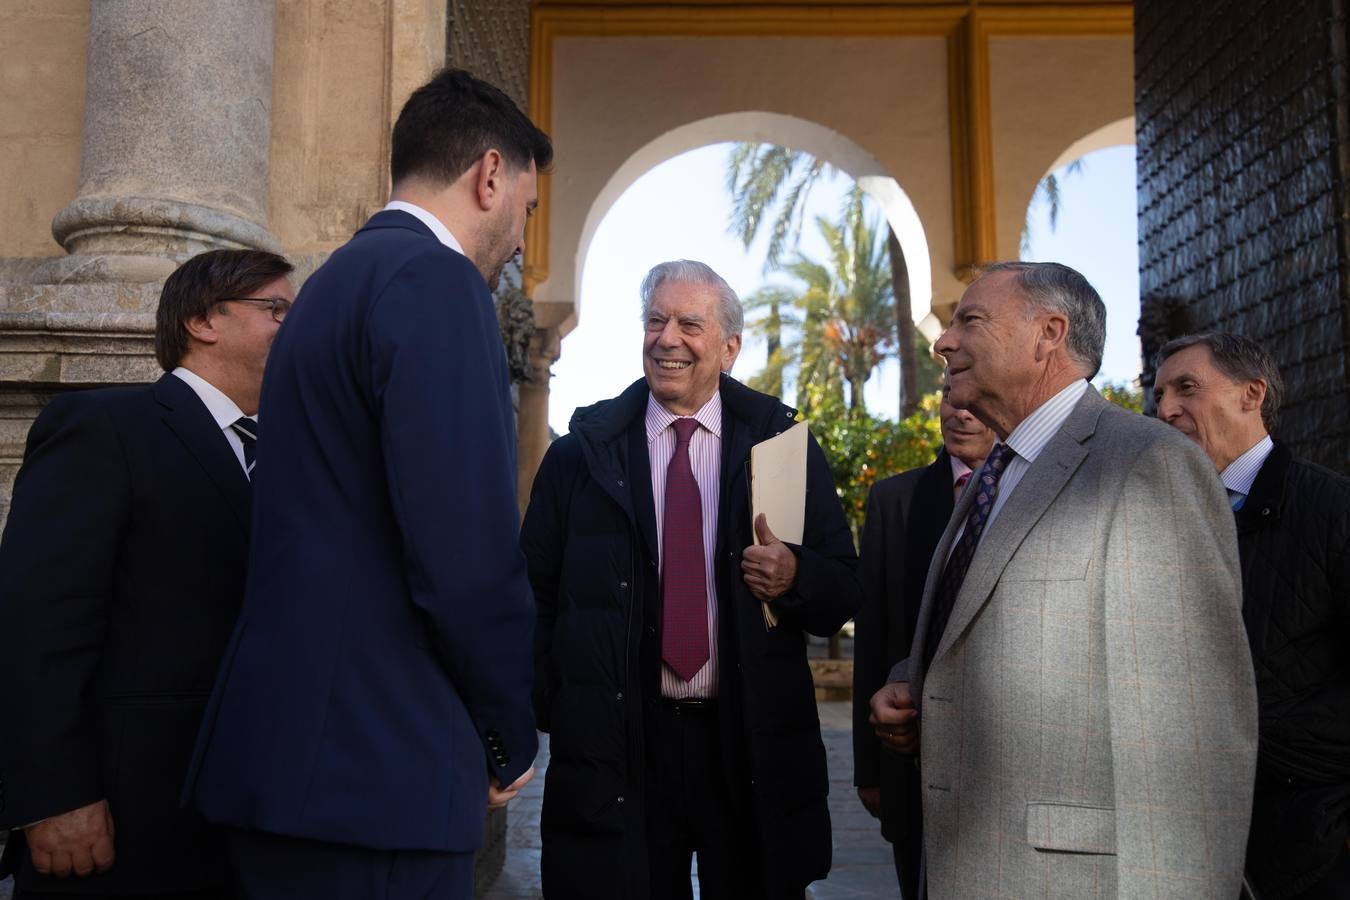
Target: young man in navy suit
{"type": "Point", "coordinates": [121, 573]}
{"type": "Point", "coordinates": [375, 699]}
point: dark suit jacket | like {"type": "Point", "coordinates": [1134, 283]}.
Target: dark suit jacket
{"type": "Point", "coordinates": [121, 573]}
{"type": "Point", "coordinates": [906, 515]}
{"type": "Point", "coordinates": [381, 668]}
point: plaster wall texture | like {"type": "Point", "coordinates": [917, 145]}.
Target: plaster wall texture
{"type": "Point", "coordinates": [42, 67]}
{"type": "Point", "coordinates": [343, 70]}
{"type": "Point", "coordinates": [1045, 93]}
{"type": "Point", "coordinates": [886, 95]}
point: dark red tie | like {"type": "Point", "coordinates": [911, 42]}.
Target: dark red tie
{"type": "Point", "coordinates": [961, 482]}
{"type": "Point", "coordinates": [684, 592]}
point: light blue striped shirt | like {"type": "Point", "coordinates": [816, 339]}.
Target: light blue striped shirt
{"type": "Point", "coordinates": [1027, 441]}
{"type": "Point", "coordinates": [1241, 472]}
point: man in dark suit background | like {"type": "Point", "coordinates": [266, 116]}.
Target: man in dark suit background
{"type": "Point", "coordinates": [906, 515]}
{"type": "Point", "coordinates": [121, 573]}
{"type": "Point", "coordinates": [376, 693]}
{"type": "Point", "coordinates": [1293, 524]}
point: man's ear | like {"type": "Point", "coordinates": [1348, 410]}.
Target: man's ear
{"type": "Point", "coordinates": [1253, 395]}
{"type": "Point", "coordinates": [203, 328]}
{"type": "Point", "coordinates": [1054, 335]}
{"type": "Point", "coordinates": [490, 180]}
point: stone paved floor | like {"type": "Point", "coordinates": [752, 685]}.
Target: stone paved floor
{"type": "Point", "coordinates": [862, 860]}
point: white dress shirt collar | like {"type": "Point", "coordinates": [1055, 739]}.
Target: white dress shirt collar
{"type": "Point", "coordinates": [1031, 435]}
{"type": "Point", "coordinates": [1241, 472]}
{"type": "Point", "coordinates": [224, 410]}
{"type": "Point", "coordinates": [437, 227]}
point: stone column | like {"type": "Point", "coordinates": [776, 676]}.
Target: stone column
{"type": "Point", "coordinates": [175, 147]}
{"type": "Point", "coordinates": [174, 161]}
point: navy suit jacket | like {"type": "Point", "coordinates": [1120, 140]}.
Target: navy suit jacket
{"type": "Point", "coordinates": [381, 668]}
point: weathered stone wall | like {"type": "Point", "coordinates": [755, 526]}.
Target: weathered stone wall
{"type": "Point", "coordinates": [1242, 145]}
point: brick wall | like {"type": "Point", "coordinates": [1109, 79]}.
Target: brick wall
{"type": "Point", "coordinates": [1241, 111]}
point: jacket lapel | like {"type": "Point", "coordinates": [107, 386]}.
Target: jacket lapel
{"type": "Point", "coordinates": [639, 471]}
{"type": "Point", "coordinates": [1029, 501]}
{"type": "Point", "coordinates": [186, 416]}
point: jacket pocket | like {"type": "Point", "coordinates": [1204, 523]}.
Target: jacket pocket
{"type": "Point", "coordinates": [1071, 828]}
{"type": "Point", "coordinates": [1045, 568]}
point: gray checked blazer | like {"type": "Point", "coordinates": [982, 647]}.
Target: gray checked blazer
{"type": "Point", "coordinates": [1088, 725]}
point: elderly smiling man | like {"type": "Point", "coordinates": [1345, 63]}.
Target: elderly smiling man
{"type": "Point", "coordinates": [679, 722]}
{"type": "Point", "coordinates": [1079, 689]}
{"type": "Point", "coordinates": [1293, 522]}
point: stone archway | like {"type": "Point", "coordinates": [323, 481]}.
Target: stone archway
{"type": "Point", "coordinates": [786, 131]}
{"type": "Point", "coordinates": [557, 298]}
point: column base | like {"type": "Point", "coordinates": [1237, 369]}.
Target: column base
{"type": "Point", "coordinates": [140, 240]}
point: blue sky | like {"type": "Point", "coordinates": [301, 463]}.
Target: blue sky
{"type": "Point", "coordinates": [679, 210]}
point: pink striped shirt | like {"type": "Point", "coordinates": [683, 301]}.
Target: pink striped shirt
{"type": "Point", "coordinates": [705, 456]}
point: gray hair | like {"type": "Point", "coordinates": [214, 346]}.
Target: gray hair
{"type": "Point", "coordinates": [1239, 359]}
{"type": "Point", "coordinates": [1053, 287]}
{"type": "Point", "coordinates": [730, 317]}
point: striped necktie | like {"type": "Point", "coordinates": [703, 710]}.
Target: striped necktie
{"type": "Point", "coordinates": [247, 429]}
{"type": "Point", "coordinates": [959, 562]}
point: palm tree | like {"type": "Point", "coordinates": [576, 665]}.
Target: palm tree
{"type": "Point", "coordinates": [837, 325]}
{"type": "Point", "coordinates": [762, 178]}
{"type": "Point", "coordinates": [1049, 188]}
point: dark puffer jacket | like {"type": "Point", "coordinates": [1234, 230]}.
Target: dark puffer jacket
{"type": "Point", "coordinates": [590, 539]}
{"type": "Point", "coordinates": [1294, 539]}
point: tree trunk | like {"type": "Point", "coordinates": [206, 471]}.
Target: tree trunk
{"type": "Point", "coordinates": [855, 397]}
{"type": "Point", "coordinates": [906, 334]}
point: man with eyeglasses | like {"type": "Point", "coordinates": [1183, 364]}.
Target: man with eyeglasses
{"type": "Point", "coordinates": [121, 574]}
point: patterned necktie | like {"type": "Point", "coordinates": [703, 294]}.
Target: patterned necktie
{"type": "Point", "coordinates": [959, 562]}
{"type": "Point", "coordinates": [247, 429]}
{"type": "Point", "coordinates": [684, 592]}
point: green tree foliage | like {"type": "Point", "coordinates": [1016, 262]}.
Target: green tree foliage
{"type": "Point", "coordinates": [863, 449]}
{"type": "Point", "coordinates": [1127, 394]}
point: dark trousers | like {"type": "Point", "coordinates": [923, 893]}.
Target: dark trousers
{"type": "Point", "coordinates": [21, 894]}
{"type": "Point", "coordinates": [690, 811]}
{"type": "Point", "coordinates": [1336, 884]}
{"type": "Point", "coordinates": [271, 867]}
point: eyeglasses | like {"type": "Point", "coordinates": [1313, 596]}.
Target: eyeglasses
{"type": "Point", "coordinates": [279, 305]}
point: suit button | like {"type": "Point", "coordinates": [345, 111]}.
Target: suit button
{"type": "Point", "coordinates": [619, 696]}
{"type": "Point", "coordinates": [651, 631]}
{"type": "Point", "coordinates": [623, 585]}
{"type": "Point", "coordinates": [621, 798]}
{"type": "Point", "coordinates": [620, 482]}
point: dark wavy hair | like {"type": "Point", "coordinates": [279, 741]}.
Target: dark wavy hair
{"type": "Point", "coordinates": [199, 284]}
